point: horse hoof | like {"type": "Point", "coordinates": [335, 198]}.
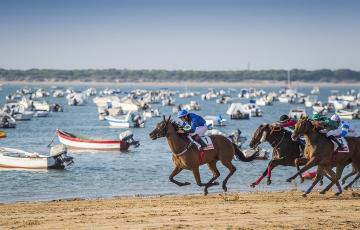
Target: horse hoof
{"type": "Point", "coordinates": [322, 192]}
{"type": "Point", "coordinates": [338, 193]}
{"type": "Point", "coordinates": [224, 188]}
{"type": "Point", "coordinates": [343, 182]}
{"type": "Point", "coordinates": [321, 183]}
{"type": "Point", "coordinates": [304, 195]}
{"type": "Point", "coordinates": [268, 182]}
{"type": "Point", "coordinates": [289, 180]}
{"type": "Point", "coordinates": [186, 183]}
{"type": "Point", "coordinates": [253, 185]}
{"type": "Point", "coordinates": [215, 183]}
{"type": "Point", "coordinates": [346, 187]}
{"type": "Point", "coordinates": [205, 192]}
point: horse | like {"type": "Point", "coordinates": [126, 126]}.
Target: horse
{"type": "Point", "coordinates": [185, 154]}
{"type": "Point", "coordinates": [285, 151]}
{"type": "Point", "coordinates": [319, 150]}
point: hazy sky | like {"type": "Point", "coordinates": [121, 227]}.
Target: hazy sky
{"type": "Point", "coordinates": [183, 34]}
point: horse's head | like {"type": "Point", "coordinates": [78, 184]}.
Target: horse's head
{"type": "Point", "coordinates": [260, 135]}
{"type": "Point", "coordinates": [303, 126]}
{"type": "Point", "coordinates": [161, 129]}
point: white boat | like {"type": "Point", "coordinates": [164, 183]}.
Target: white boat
{"type": "Point", "coordinates": [151, 113]}
{"type": "Point", "coordinates": [297, 113]}
{"type": "Point", "coordinates": [41, 114]}
{"type": "Point", "coordinates": [41, 106]}
{"type": "Point", "coordinates": [284, 98]}
{"type": "Point", "coordinates": [310, 100]}
{"type": "Point", "coordinates": [76, 99]}
{"type": "Point", "coordinates": [15, 158]}
{"type": "Point", "coordinates": [73, 141]}
{"type": "Point", "coordinates": [215, 120]}
{"type": "Point", "coordinates": [344, 114]}
{"type": "Point", "coordinates": [255, 111]}
{"type": "Point", "coordinates": [238, 111]}
{"type": "Point", "coordinates": [315, 90]}
{"type": "Point", "coordinates": [131, 120]}
{"type": "Point", "coordinates": [23, 116]}
{"type": "Point", "coordinates": [58, 93]}
{"type": "Point", "coordinates": [7, 121]}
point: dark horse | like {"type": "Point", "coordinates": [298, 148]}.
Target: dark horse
{"type": "Point", "coordinates": [185, 154]}
{"type": "Point", "coordinates": [285, 150]}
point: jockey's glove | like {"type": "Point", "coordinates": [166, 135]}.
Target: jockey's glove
{"type": "Point", "coordinates": [187, 128]}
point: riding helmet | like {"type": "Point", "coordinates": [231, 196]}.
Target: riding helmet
{"type": "Point", "coordinates": [182, 113]}
{"type": "Point", "coordinates": [284, 118]}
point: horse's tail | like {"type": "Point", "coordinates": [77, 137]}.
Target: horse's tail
{"type": "Point", "coordinates": [241, 156]}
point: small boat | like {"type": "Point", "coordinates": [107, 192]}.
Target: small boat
{"type": "Point", "coordinates": [131, 120]}
{"type": "Point", "coordinates": [41, 114]}
{"type": "Point", "coordinates": [215, 120]}
{"type": "Point", "coordinates": [238, 111]}
{"type": "Point", "coordinates": [344, 114]}
{"type": "Point", "coordinates": [23, 116]}
{"type": "Point", "coordinates": [7, 121]}
{"type": "Point", "coordinates": [73, 141]}
{"type": "Point", "coordinates": [297, 113]}
{"type": "Point", "coordinates": [15, 158]}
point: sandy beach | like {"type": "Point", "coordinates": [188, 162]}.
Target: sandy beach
{"type": "Point", "coordinates": [257, 210]}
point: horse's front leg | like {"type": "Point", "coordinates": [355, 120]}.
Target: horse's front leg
{"type": "Point", "coordinates": [311, 163]}
{"type": "Point", "coordinates": [319, 176]}
{"type": "Point", "coordinates": [176, 171]}
{"type": "Point", "coordinates": [299, 162]}
{"type": "Point", "coordinates": [260, 178]}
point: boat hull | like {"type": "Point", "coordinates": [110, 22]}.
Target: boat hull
{"type": "Point", "coordinates": [101, 145]}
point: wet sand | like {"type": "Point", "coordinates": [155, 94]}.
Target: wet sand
{"type": "Point", "coordinates": [257, 210]}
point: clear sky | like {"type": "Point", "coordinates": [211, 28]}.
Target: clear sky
{"type": "Point", "coordinates": [180, 34]}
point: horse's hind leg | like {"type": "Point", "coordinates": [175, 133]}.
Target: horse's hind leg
{"type": "Point", "coordinates": [353, 172]}
{"type": "Point", "coordinates": [232, 169]}
{"type": "Point", "coordinates": [352, 182]}
{"type": "Point", "coordinates": [176, 171]}
{"type": "Point", "coordinates": [216, 174]}
{"type": "Point", "coordinates": [335, 180]}
{"type": "Point", "coordinates": [311, 163]}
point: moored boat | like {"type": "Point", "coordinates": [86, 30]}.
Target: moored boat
{"type": "Point", "coordinates": [73, 141]}
{"type": "Point", "coordinates": [16, 158]}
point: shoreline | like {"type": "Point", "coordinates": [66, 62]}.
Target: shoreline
{"type": "Point", "coordinates": [190, 84]}
{"type": "Point", "coordinates": [285, 210]}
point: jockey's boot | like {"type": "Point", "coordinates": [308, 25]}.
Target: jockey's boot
{"type": "Point", "coordinates": [198, 139]}
{"type": "Point", "coordinates": [333, 138]}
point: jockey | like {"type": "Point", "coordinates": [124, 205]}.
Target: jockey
{"type": "Point", "coordinates": [344, 128]}
{"type": "Point", "coordinates": [287, 122]}
{"type": "Point", "coordinates": [194, 125]}
{"type": "Point", "coordinates": [331, 127]}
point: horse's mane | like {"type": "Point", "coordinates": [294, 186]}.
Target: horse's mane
{"type": "Point", "coordinates": [177, 127]}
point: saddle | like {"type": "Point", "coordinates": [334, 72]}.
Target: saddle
{"type": "Point", "coordinates": [206, 139]}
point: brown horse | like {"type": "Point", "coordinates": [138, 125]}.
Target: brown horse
{"type": "Point", "coordinates": [319, 150]}
{"type": "Point", "coordinates": [185, 154]}
{"type": "Point", "coordinates": [285, 150]}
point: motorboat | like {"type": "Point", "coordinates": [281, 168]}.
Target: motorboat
{"type": "Point", "coordinates": [16, 158]}
{"type": "Point", "coordinates": [73, 141]}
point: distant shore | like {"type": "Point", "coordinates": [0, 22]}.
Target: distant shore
{"type": "Point", "coordinates": [189, 84]}
{"type": "Point", "coordinates": [256, 210]}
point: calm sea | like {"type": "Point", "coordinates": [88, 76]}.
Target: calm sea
{"type": "Point", "coordinates": [141, 171]}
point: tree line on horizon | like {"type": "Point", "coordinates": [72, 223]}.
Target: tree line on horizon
{"type": "Point", "coordinates": [125, 75]}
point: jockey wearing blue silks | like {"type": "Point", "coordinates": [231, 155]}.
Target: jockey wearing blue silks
{"type": "Point", "coordinates": [194, 125]}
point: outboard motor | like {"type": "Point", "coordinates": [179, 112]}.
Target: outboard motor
{"type": "Point", "coordinates": [128, 137]}
{"type": "Point", "coordinates": [59, 152]}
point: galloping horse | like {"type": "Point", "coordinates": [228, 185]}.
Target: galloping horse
{"type": "Point", "coordinates": [186, 155]}
{"type": "Point", "coordinates": [319, 150]}
{"type": "Point", "coordinates": [284, 153]}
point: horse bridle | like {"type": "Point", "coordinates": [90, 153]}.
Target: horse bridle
{"type": "Point", "coordinates": [264, 137]}
{"type": "Point", "coordinates": [162, 132]}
